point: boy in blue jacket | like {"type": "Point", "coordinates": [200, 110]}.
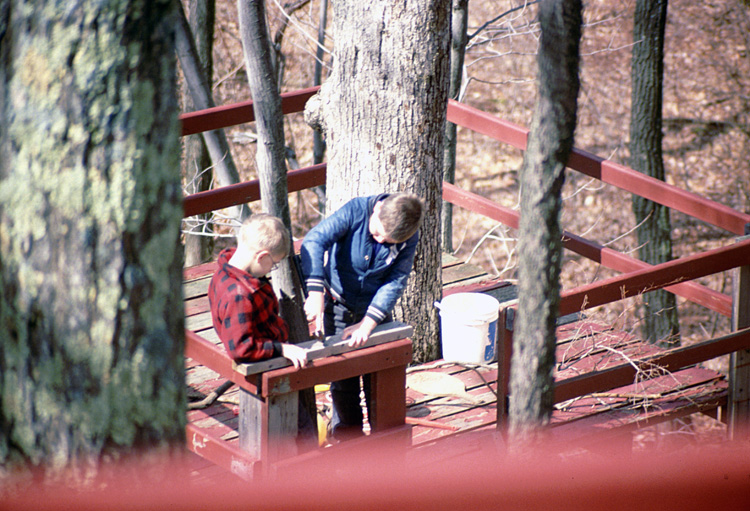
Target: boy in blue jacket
{"type": "Point", "coordinates": [370, 244]}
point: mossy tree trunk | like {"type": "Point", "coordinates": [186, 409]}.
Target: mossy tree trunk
{"type": "Point", "coordinates": [91, 311]}
{"type": "Point", "coordinates": [382, 111]}
{"type": "Point", "coordinates": [540, 235]}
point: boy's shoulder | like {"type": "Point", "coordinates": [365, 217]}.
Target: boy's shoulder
{"type": "Point", "coordinates": [364, 203]}
{"type": "Point", "coordinates": [228, 279]}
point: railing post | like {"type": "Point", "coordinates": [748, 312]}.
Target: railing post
{"type": "Point", "coordinates": [504, 353]}
{"type": "Point", "coordinates": [739, 361]}
{"type": "Point", "coordinates": [268, 427]}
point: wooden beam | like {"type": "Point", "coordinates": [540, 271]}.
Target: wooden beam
{"type": "Point", "coordinates": [239, 113]}
{"type": "Point", "coordinates": [607, 171]}
{"type": "Point", "coordinates": [268, 427]}
{"type": "Point", "coordinates": [739, 362]}
{"type": "Point", "coordinates": [388, 404]}
{"type": "Point", "coordinates": [696, 293]}
{"type": "Point", "coordinates": [220, 452]}
{"type": "Point", "coordinates": [692, 291]}
{"type": "Point", "coordinates": [504, 350]}
{"type": "Point", "coordinates": [655, 277]}
{"type": "Point", "coordinates": [337, 367]}
{"type": "Point", "coordinates": [249, 191]}
{"type": "Point", "coordinates": [333, 345]}
{"type": "Point", "coordinates": [215, 358]}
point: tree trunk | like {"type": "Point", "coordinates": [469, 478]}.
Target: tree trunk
{"type": "Point", "coordinates": [540, 234]}
{"type": "Point", "coordinates": [196, 164]}
{"type": "Point", "coordinates": [660, 322]}
{"type": "Point", "coordinates": [382, 111]}
{"type": "Point", "coordinates": [319, 145]}
{"type": "Point", "coordinates": [459, 38]}
{"type": "Point", "coordinates": [92, 336]}
{"type": "Point", "coordinates": [271, 164]}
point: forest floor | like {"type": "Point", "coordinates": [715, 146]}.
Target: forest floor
{"type": "Point", "coordinates": [706, 131]}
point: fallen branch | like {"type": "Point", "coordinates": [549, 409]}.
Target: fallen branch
{"type": "Point", "coordinates": [211, 397]}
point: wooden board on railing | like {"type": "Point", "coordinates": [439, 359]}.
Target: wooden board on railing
{"type": "Point", "coordinates": [333, 345]}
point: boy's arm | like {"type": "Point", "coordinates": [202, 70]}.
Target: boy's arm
{"type": "Point", "coordinates": [314, 308]}
{"type": "Point", "coordinates": [385, 298]}
{"type": "Point", "coordinates": [312, 258]}
{"type": "Point", "coordinates": [319, 240]}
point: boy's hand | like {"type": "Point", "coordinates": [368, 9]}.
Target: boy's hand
{"type": "Point", "coordinates": [359, 332]}
{"type": "Point", "coordinates": [295, 354]}
{"type": "Point", "coordinates": [314, 306]}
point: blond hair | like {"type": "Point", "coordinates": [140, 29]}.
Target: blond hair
{"type": "Point", "coordinates": [401, 214]}
{"type": "Point", "coordinates": [265, 232]}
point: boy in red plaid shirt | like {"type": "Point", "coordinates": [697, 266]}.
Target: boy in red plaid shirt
{"type": "Point", "coordinates": [244, 307]}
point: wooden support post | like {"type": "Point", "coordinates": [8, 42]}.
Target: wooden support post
{"type": "Point", "coordinates": [268, 427]}
{"type": "Point", "coordinates": [739, 362]}
{"type": "Point", "coordinates": [252, 411]}
{"type": "Point", "coordinates": [388, 398]}
{"type": "Point", "coordinates": [504, 352]}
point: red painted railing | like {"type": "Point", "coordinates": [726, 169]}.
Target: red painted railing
{"type": "Point", "coordinates": [503, 131]}
{"type": "Point", "coordinates": [607, 171]}
{"type": "Point", "coordinates": [466, 116]}
{"type": "Point", "coordinates": [637, 277]}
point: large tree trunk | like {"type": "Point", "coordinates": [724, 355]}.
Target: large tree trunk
{"type": "Point", "coordinates": [383, 113]}
{"type": "Point", "coordinates": [660, 322]}
{"type": "Point", "coordinates": [540, 234]}
{"type": "Point", "coordinates": [196, 164]}
{"type": "Point", "coordinates": [271, 164]}
{"type": "Point", "coordinates": [92, 335]}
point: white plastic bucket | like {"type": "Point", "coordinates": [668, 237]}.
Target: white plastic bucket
{"type": "Point", "coordinates": [469, 326]}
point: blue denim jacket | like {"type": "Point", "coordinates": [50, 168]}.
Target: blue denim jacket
{"type": "Point", "coordinates": [367, 283]}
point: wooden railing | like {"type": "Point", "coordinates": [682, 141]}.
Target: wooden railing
{"type": "Point", "coordinates": [608, 172]}
{"type": "Point", "coordinates": [481, 122]}
{"type": "Point", "coordinates": [632, 284]}
{"type": "Point", "coordinates": [503, 131]}
{"type": "Point", "coordinates": [674, 276]}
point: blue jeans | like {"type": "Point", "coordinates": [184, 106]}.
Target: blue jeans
{"type": "Point", "coordinates": [347, 417]}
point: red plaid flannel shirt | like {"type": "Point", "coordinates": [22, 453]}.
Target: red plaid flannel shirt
{"type": "Point", "coordinates": [245, 312]}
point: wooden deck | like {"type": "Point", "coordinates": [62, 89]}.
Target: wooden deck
{"type": "Point", "coordinates": [447, 399]}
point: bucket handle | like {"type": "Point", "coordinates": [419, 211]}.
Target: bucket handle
{"type": "Point", "coordinates": [437, 305]}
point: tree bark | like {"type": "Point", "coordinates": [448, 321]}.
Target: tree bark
{"type": "Point", "coordinates": [199, 244]}
{"type": "Point", "coordinates": [92, 336]}
{"type": "Point", "coordinates": [540, 235]}
{"type": "Point", "coordinates": [459, 38]}
{"type": "Point", "coordinates": [659, 321]}
{"type": "Point", "coordinates": [216, 141]}
{"type": "Point", "coordinates": [382, 111]}
{"type": "Point", "coordinates": [319, 145]}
